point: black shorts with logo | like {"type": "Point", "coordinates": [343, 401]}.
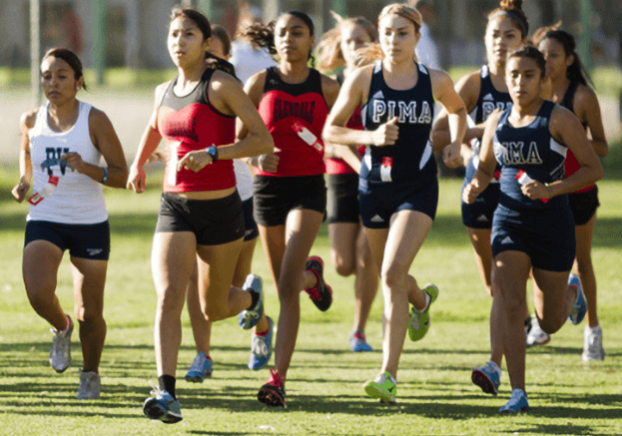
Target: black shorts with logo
{"type": "Point", "coordinates": [214, 222]}
{"type": "Point", "coordinates": [87, 241]}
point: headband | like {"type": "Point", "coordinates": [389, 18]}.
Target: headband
{"type": "Point", "coordinates": [512, 16]}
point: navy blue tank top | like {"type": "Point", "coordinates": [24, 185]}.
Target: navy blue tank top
{"type": "Point", "coordinates": [534, 151]}
{"type": "Point", "coordinates": [489, 99]}
{"type": "Point", "coordinates": [410, 159]}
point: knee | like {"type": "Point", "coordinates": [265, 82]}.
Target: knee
{"type": "Point", "coordinates": [171, 301]}
{"type": "Point", "coordinates": [214, 314]}
{"type": "Point", "coordinates": [394, 279]}
{"type": "Point", "coordinates": [88, 314]}
{"type": "Point", "coordinates": [513, 301]}
{"type": "Point", "coordinates": [550, 325]}
{"type": "Point", "coordinates": [344, 269]}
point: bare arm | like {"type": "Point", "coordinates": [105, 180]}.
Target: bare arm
{"type": "Point", "coordinates": [105, 139]}
{"type": "Point", "coordinates": [228, 96]}
{"type": "Point", "coordinates": [136, 180]}
{"type": "Point", "coordinates": [26, 122]}
{"type": "Point", "coordinates": [351, 96]}
{"type": "Point", "coordinates": [444, 92]}
{"type": "Point", "coordinates": [468, 88]}
{"type": "Point", "coordinates": [589, 110]}
{"type": "Point", "coordinates": [488, 163]}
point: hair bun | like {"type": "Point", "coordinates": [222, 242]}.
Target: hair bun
{"type": "Point", "coordinates": [512, 4]}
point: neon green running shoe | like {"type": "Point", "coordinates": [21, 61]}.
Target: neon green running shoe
{"type": "Point", "coordinates": [419, 322]}
{"type": "Point", "coordinates": [383, 387]}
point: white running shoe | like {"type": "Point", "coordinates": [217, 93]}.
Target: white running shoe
{"type": "Point", "coordinates": [593, 344]}
{"type": "Point", "coordinates": [90, 386]}
{"type": "Point", "coordinates": [60, 354]}
{"type": "Point", "coordinates": [536, 335]}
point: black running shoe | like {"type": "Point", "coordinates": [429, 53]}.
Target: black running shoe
{"type": "Point", "coordinates": [272, 394]}
{"type": "Point", "coordinates": [321, 294]}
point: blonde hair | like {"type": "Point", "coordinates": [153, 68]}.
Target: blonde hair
{"type": "Point", "coordinates": [374, 51]}
{"type": "Point", "coordinates": [330, 55]}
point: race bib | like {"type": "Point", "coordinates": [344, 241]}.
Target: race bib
{"type": "Point", "coordinates": [171, 170]}
{"type": "Point", "coordinates": [307, 136]}
{"type": "Point", "coordinates": [47, 190]}
{"type": "Point", "coordinates": [385, 169]}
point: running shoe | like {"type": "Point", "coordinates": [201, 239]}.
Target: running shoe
{"type": "Point", "coordinates": [272, 394]}
{"type": "Point", "coordinates": [163, 407]}
{"type": "Point", "coordinates": [90, 385]}
{"type": "Point", "coordinates": [536, 335]}
{"type": "Point", "coordinates": [60, 354]}
{"type": "Point", "coordinates": [250, 317]}
{"type": "Point", "coordinates": [593, 344]}
{"type": "Point", "coordinates": [579, 307]}
{"type": "Point", "coordinates": [518, 403]}
{"type": "Point", "coordinates": [201, 368]}
{"type": "Point", "coordinates": [358, 343]}
{"type": "Point", "coordinates": [527, 324]}
{"type": "Point", "coordinates": [321, 294]}
{"type": "Point", "coordinates": [487, 377]}
{"type": "Point", "coordinates": [419, 322]}
{"type": "Point", "coordinates": [261, 348]}
{"type": "Point", "coordinates": [383, 387]}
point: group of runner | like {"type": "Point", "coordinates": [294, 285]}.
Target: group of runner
{"type": "Point", "coordinates": [374, 116]}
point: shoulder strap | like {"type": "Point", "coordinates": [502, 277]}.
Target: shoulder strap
{"type": "Point", "coordinates": [568, 100]}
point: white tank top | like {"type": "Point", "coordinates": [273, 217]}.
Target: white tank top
{"type": "Point", "coordinates": [244, 179]}
{"type": "Point", "coordinates": [77, 199]}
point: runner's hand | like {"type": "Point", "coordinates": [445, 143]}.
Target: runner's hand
{"type": "Point", "coordinates": [195, 161]}
{"type": "Point", "coordinates": [20, 191]}
{"type": "Point", "coordinates": [136, 181]}
{"type": "Point", "coordinates": [471, 192]}
{"type": "Point", "coordinates": [386, 134]}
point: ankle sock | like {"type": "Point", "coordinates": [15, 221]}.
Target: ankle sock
{"type": "Point", "coordinates": [167, 383]}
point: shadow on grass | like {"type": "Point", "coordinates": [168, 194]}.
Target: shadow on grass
{"type": "Point", "coordinates": [556, 429]}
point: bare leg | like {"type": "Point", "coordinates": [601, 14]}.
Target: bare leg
{"type": "Point", "coordinates": [585, 269]}
{"type": "Point", "coordinates": [395, 250]}
{"type": "Point", "coordinates": [556, 298]}
{"type": "Point", "coordinates": [343, 247]}
{"type": "Point", "coordinates": [220, 300]}
{"type": "Point", "coordinates": [172, 261]}
{"type": "Point", "coordinates": [201, 327]}
{"type": "Point", "coordinates": [288, 248]}
{"type": "Point", "coordinates": [366, 282]}
{"type": "Point", "coordinates": [89, 280]}
{"type": "Point", "coordinates": [243, 269]}
{"type": "Point", "coordinates": [480, 239]}
{"type": "Point", "coordinates": [509, 280]}
{"type": "Point", "coordinates": [41, 261]}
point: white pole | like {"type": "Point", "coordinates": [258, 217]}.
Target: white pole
{"type": "Point", "coordinates": [35, 50]}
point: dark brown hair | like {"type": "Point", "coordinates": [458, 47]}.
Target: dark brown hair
{"type": "Point", "coordinates": [531, 53]}
{"type": "Point", "coordinates": [70, 57]}
{"type": "Point", "coordinates": [206, 29]}
{"type": "Point", "coordinates": [513, 9]}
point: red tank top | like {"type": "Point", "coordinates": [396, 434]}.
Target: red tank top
{"type": "Point", "coordinates": [571, 164]}
{"type": "Point", "coordinates": [295, 115]}
{"type": "Point", "coordinates": [339, 166]}
{"type": "Point", "coordinates": [191, 123]}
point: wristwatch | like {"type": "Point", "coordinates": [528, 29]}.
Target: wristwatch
{"type": "Point", "coordinates": [213, 152]}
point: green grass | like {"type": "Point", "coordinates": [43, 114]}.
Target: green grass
{"type": "Point", "coordinates": [325, 394]}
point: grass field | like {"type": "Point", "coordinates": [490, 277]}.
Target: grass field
{"type": "Point", "coordinates": [325, 395]}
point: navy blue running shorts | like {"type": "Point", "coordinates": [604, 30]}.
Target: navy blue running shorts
{"type": "Point", "coordinates": [478, 215]}
{"type": "Point", "coordinates": [87, 241]}
{"type": "Point", "coordinates": [343, 198]}
{"type": "Point", "coordinates": [378, 202]}
{"type": "Point", "coordinates": [250, 225]}
{"type": "Point", "coordinates": [583, 205]}
{"type": "Point", "coordinates": [547, 238]}
{"type": "Point", "coordinates": [214, 222]}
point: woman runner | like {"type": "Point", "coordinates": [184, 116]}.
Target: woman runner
{"type": "Point", "coordinates": [483, 92]}
{"type": "Point", "coordinates": [289, 187]}
{"type": "Point", "coordinates": [62, 145]}
{"type": "Point", "coordinates": [571, 90]}
{"type": "Point", "coordinates": [349, 249]}
{"type": "Point", "coordinates": [261, 339]}
{"type": "Point", "coordinates": [201, 215]}
{"type": "Point", "coordinates": [533, 227]}
{"type": "Point", "coordinates": [398, 190]}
